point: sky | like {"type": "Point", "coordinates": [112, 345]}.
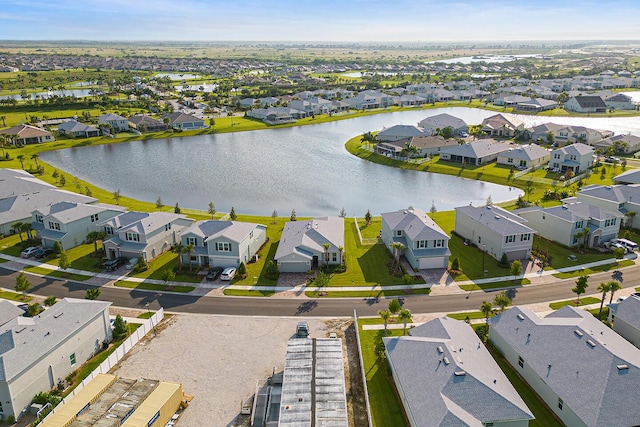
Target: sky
{"type": "Point", "coordinates": [320, 20]}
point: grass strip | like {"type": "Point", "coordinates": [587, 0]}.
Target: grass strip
{"type": "Point", "coordinates": [153, 287]}
{"type": "Point", "coordinates": [574, 303]}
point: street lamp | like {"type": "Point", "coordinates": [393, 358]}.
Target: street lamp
{"type": "Point", "coordinates": [151, 318]}
{"type": "Point", "coordinates": [484, 272]}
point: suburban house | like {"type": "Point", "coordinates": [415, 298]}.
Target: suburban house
{"type": "Point", "coordinates": [397, 132]}
{"type": "Point", "coordinates": [525, 156]}
{"type": "Point", "coordinates": [631, 176]}
{"type": "Point", "coordinates": [619, 101]}
{"type": "Point", "coordinates": [621, 143]}
{"type": "Point", "coordinates": [573, 224]}
{"type": "Point", "coordinates": [442, 121]}
{"type": "Point", "coordinates": [276, 115]}
{"type": "Point", "coordinates": [510, 100]}
{"type": "Point", "coordinates": [313, 105]}
{"type": "Point", "coordinates": [585, 104]}
{"type": "Point", "coordinates": [76, 129]}
{"type": "Point", "coordinates": [574, 362]}
{"type": "Point", "coordinates": [70, 222]}
{"type": "Point", "coordinates": [118, 123]}
{"type": "Point", "coordinates": [142, 234]}
{"type": "Point", "coordinates": [576, 158]}
{"type": "Point", "coordinates": [535, 105]}
{"type": "Point", "coordinates": [617, 198]}
{"type": "Point", "coordinates": [501, 126]}
{"type": "Point", "coordinates": [425, 244]}
{"type": "Point", "coordinates": [541, 132]}
{"type": "Point", "coordinates": [416, 146]}
{"type": "Point", "coordinates": [495, 230]}
{"type": "Point", "coordinates": [222, 243]}
{"type": "Point", "coordinates": [571, 134]}
{"type": "Point", "coordinates": [21, 193]}
{"type": "Point", "coordinates": [475, 153]}
{"type": "Point", "coordinates": [302, 245]}
{"type": "Point", "coordinates": [37, 353]}
{"type": "Point", "coordinates": [26, 134]}
{"type": "Point", "coordinates": [625, 317]}
{"type": "Point", "coordinates": [184, 121]}
{"type": "Point", "coordinates": [144, 123]}
{"type": "Point", "coordinates": [445, 376]}
{"type": "Point", "coordinates": [369, 99]}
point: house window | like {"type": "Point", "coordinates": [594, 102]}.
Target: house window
{"type": "Point", "coordinates": [72, 359]}
{"type": "Point", "coordinates": [520, 361]}
{"type": "Point", "coordinates": [575, 240]}
{"type": "Point", "coordinates": [54, 225]}
{"type": "Point", "coordinates": [479, 239]}
{"type": "Point", "coordinates": [108, 230]}
{"type": "Point", "coordinates": [39, 219]}
{"type": "Point", "coordinates": [621, 205]}
{"type": "Point", "coordinates": [192, 241]}
{"type": "Point", "coordinates": [579, 224]}
{"type": "Point", "coordinates": [94, 218]}
{"type": "Point", "coordinates": [439, 243]}
{"type": "Point", "coordinates": [132, 237]}
{"type": "Point", "coordinates": [251, 234]}
{"type": "Point", "coordinates": [509, 160]}
{"type": "Point", "coordinates": [334, 256]}
{"type": "Point", "coordinates": [223, 246]}
{"type": "Point", "coordinates": [510, 239]}
{"type": "Point", "coordinates": [398, 233]}
{"type": "Point", "coordinates": [525, 237]}
{"type": "Point", "coordinates": [421, 244]}
{"type": "Point", "coordinates": [167, 227]}
{"type": "Point", "coordinates": [560, 403]}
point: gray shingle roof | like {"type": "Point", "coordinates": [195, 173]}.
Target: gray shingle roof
{"type": "Point", "coordinates": [24, 340]}
{"type": "Point", "coordinates": [478, 149]}
{"type": "Point", "coordinates": [442, 121]}
{"type": "Point", "coordinates": [67, 212]}
{"type": "Point", "coordinates": [614, 193]}
{"type": "Point", "coordinates": [124, 219]}
{"type": "Point", "coordinates": [416, 224]}
{"type": "Point", "coordinates": [526, 152]}
{"type": "Point", "coordinates": [145, 120]}
{"type": "Point", "coordinates": [444, 363]}
{"type": "Point", "coordinates": [307, 237]}
{"type": "Point", "coordinates": [213, 229]}
{"type": "Point", "coordinates": [400, 131]}
{"type": "Point", "coordinates": [8, 312]}
{"type": "Point", "coordinates": [498, 120]}
{"type": "Point", "coordinates": [628, 310]}
{"type": "Point", "coordinates": [152, 222]}
{"type": "Point", "coordinates": [580, 211]}
{"type": "Point", "coordinates": [75, 126]}
{"type": "Point", "coordinates": [578, 148]}
{"type": "Point", "coordinates": [496, 218]}
{"type": "Point", "coordinates": [631, 176]}
{"type": "Point", "coordinates": [176, 118]}
{"type": "Point", "coordinates": [577, 356]}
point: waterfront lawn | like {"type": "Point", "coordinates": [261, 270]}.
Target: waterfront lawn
{"type": "Point", "coordinates": [372, 230]}
{"type": "Point", "coordinates": [386, 409]}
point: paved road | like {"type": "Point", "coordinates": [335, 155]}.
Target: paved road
{"type": "Point", "coordinates": [329, 307]}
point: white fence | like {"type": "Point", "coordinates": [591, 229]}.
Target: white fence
{"type": "Point", "coordinates": [115, 357]}
{"type": "Point", "coordinates": [369, 241]}
{"type": "Point", "coordinates": [362, 371]}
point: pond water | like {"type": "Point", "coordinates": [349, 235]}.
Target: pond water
{"type": "Point", "coordinates": [489, 59]}
{"type": "Point", "coordinates": [206, 87]}
{"type": "Point", "coordinates": [78, 93]}
{"type": "Point", "coordinates": [304, 168]}
{"type": "Point", "coordinates": [177, 76]}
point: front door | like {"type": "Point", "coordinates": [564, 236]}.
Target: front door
{"type": "Point", "coordinates": [314, 264]}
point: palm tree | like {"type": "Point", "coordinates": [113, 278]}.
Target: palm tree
{"type": "Point", "coordinates": [587, 230]}
{"type": "Point", "coordinates": [613, 287]}
{"type": "Point", "coordinates": [188, 249]}
{"type": "Point", "coordinates": [35, 157]}
{"type": "Point", "coordinates": [397, 250]}
{"type": "Point", "coordinates": [340, 249]}
{"type": "Point", "coordinates": [404, 316]}
{"type": "Point", "coordinates": [179, 249]}
{"type": "Point", "coordinates": [94, 237]}
{"type": "Point", "coordinates": [27, 228]}
{"type": "Point", "coordinates": [502, 300]}
{"type": "Point", "coordinates": [326, 247]}
{"type": "Point", "coordinates": [3, 118]}
{"type": "Point", "coordinates": [20, 157]}
{"type": "Point", "coordinates": [630, 215]}
{"type": "Point", "coordinates": [486, 308]}
{"type": "Point", "coordinates": [604, 288]}
{"type": "Point", "coordinates": [385, 315]}
{"type": "Point", "coordinates": [17, 228]}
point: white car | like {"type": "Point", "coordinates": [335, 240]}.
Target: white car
{"type": "Point", "coordinates": [228, 274]}
{"type": "Point", "coordinates": [29, 252]}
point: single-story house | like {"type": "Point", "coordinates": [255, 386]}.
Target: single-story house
{"type": "Point", "coordinates": [184, 121]}
{"type": "Point", "coordinates": [495, 230]}
{"type": "Point", "coordinates": [445, 376]}
{"type": "Point", "coordinates": [442, 121]}
{"type": "Point", "coordinates": [302, 245]}
{"type": "Point", "coordinates": [416, 146]}
{"type": "Point", "coordinates": [144, 123]}
{"type": "Point", "coordinates": [394, 133]}
{"type": "Point", "coordinates": [426, 245]}
{"type": "Point", "coordinates": [621, 143]}
{"type": "Point", "coordinates": [475, 153]}
{"type": "Point", "coordinates": [27, 134]}
{"type": "Point", "coordinates": [501, 126]}
{"type": "Point", "coordinates": [631, 176]}
{"type": "Point", "coordinates": [524, 156]}
{"type": "Point", "coordinates": [535, 105]}
{"type": "Point", "coordinates": [586, 104]}
{"type": "Point", "coordinates": [75, 129]}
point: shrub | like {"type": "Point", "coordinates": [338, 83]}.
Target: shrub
{"type": "Point", "coordinates": [504, 262]}
{"type": "Point", "coordinates": [119, 328]}
{"type": "Point", "coordinates": [242, 270]}
{"type": "Point", "coordinates": [272, 270]}
{"type": "Point", "coordinates": [142, 265]}
{"type": "Point", "coordinates": [407, 279]}
{"type": "Point", "coordinates": [455, 264]}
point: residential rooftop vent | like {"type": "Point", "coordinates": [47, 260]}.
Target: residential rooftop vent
{"type": "Point", "coordinates": [21, 329]}
{"type": "Point", "coordinates": [591, 343]}
{"type": "Point", "coordinates": [622, 367]}
{"type": "Point", "coordinates": [460, 373]}
{"type": "Point", "coordinates": [446, 360]}
{"type": "Point", "coordinates": [578, 332]}
{"type": "Point", "coordinates": [58, 315]}
{"type": "Point", "coordinates": [520, 316]}
{"type": "Point", "coordinates": [440, 349]}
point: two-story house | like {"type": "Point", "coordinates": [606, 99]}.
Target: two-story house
{"type": "Point", "coordinates": [143, 234]}
{"type": "Point", "coordinates": [617, 198]}
{"type": "Point", "coordinates": [495, 230]}
{"type": "Point", "coordinates": [426, 245]}
{"type": "Point", "coordinates": [118, 123]}
{"type": "Point", "coordinates": [501, 126]}
{"type": "Point", "coordinates": [524, 156]}
{"type": "Point", "coordinates": [302, 245]}
{"type": "Point", "coordinates": [576, 158]}
{"type": "Point", "coordinates": [574, 224]}
{"type": "Point", "coordinates": [70, 222]}
{"type": "Point", "coordinates": [222, 243]}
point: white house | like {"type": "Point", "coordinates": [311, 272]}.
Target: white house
{"type": "Point", "coordinates": [70, 222]}
{"type": "Point", "coordinates": [118, 123]}
{"type": "Point", "coordinates": [302, 245]}
{"type": "Point", "coordinates": [426, 245]}
{"type": "Point", "coordinates": [583, 370]}
{"type": "Point", "coordinates": [625, 317]}
{"type": "Point", "coordinates": [495, 230]}
{"type": "Point", "coordinates": [25, 134]}
{"type": "Point", "coordinates": [445, 376]}
{"type": "Point", "coordinates": [623, 199]}
{"type": "Point", "coordinates": [397, 132]}
{"type": "Point", "coordinates": [568, 223]}
{"type": "Point", "coordinates": [524, 156]}
{"type": "Point", "coordinates": [576, 158]}
{"type": "Point", "coordinates": [143, 234]}
{"type": "Point", "coordinates": [423, 146]}
{"type": "Point", "coordinates": [586, 104]}
{"type": "Point", "coordinates": [223, 243]}
{"type": "Point", "coordinates": [37, 353]}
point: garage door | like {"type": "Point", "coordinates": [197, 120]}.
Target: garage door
{"type": "Point", "coordinates": [294, 267]}
{"type": "Point", "coordinates": [522, 254]}
{"type": "Point", "coordinates": [427, 263]}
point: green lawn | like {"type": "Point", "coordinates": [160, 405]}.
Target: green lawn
{"type": "Point", "coordinates": [544, 417]}
{"type": "Point", "coordinates": [56, 273]}
{"type": "Point", "coordinates": [372, 230]}
{"type": "Point", "coordinates": [11, 245]}
{"type": "Point", "coordinates": [168, 260]}
{"type": "Point", "coordinates": [560, 253]}
{"type": "Point", "coordinates": [365, 294]}
{"type": "Point", "coordinates": [247, 293]}
{"type": "Point", "coordinates": [153, 287]}
{"type": "Point", "coordinates": [471, 314]}
{"type": "Point", "coordinates": [591, 270]}
{"type": "Point", "coordinates": [14, 296]}
{"type": "Point", "coordinates": [495, 285]}
{"type": "Point", "coordinates": [573, 302]}
{"type": "Point", "coordinates": [386, 409]}
{"type": "Point", "coordinates": [82, 258]}
{"type": "Point", "coordinates": [146, 315]}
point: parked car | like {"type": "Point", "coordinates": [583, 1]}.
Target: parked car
{"type": "Point", "coordinates": [114, 264]}
{"type": "Point", "coordinates": [228, 274]}
{"type": "Point", "coordinates": [43, 252]}
{"type": "Point", "coordinates": [214, 273]}
{"type": "Point", "coordinates": [132, 263]}
{"type": "Point", "coordinates": [302, 330]}
{"type": "Point", "coordinates": [29, 252]}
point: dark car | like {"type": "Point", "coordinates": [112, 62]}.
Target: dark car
{"type": "Point", "coordinates": [114, 264]}
{"type": "Point", "coordinates": [43, 252]}
{"type": "Point", "coordinates": [214, 273]}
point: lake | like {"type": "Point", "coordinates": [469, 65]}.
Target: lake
{"type": "Point", "coordinates": [305, 168]}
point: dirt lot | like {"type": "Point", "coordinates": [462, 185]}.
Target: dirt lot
{"type": "Point", "coordinates": [218, 360]}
